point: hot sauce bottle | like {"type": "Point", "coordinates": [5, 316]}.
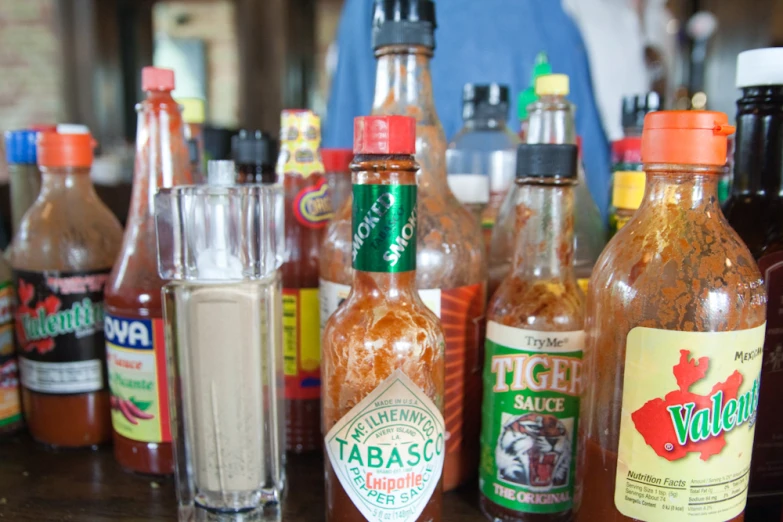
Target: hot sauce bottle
{"type": "Point", "coordinates": [533, 362]}
{"type": "Point", "coordinates": [451, 266]}
{"type": "Point", "coordinates": [61, 257]}
{"type": "Point", "coordinates": [675, 329]}
{"type": "Point", "coordinates": [134, 320]}
{"type": "Point", "coordinates": [755, 210]}
{"type": "Point", "coordinates": [383, 350]}
{"type": "Point", "coordinates": [10, 400]}
{"type": "Point", "coordinates": [307, 211]}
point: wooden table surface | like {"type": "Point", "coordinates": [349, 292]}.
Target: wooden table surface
{"type": "Point", "coordinates": [88, 486]}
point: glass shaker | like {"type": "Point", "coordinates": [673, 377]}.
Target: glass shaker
{"type": "Point", "coordinates": [221, 247]}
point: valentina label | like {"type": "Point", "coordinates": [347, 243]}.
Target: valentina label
{"type": "Point", "coordinates": [388, 451]}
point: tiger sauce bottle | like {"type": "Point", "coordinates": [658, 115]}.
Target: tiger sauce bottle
{"type": "Point", "coordinates": [676, 313]}
{"type": "Point", "coordinates": [533, 361]}
{"type": "Point", "coordinates": [308, 208]}
{"type": "Point", "coordinates": [383, 349]}
{"type": "Point", "coordinates": [134, 321]}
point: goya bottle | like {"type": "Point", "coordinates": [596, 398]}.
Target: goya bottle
{"type": "Point", "coordinates": [755, 210]}
{"type": "Point", "coordinates": [675, 330]}
{"type": "Point", "coordinates": [308, 209]}
{"type": "Point", "coordinates": [383, 350]}
{"type": "Point", "coordinates": [451, 267]}
{"type": "Point", "coordinates": [134, 321]}
{"type": "Point", "coordinates": [10, 400]}
{"type": "Point", "coordinates": [61, 257]}
{"type": "Point", "coordinates": [533, 361]}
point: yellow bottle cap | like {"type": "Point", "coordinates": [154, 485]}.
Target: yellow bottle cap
{"type": "Point", "coordinates": [552, 85]}
{"type": "Point", "coordinates": [193, 110]}
{"type": "Point", "coordinates": [628, 190]}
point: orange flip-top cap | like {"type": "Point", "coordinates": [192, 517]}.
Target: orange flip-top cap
{"type": "Point", "coordinates": [64, 150]}
{"type": "Point", "coordinates": [686, 137]}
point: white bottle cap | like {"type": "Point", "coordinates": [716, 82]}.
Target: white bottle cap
{"type": "Point", "coordinates": [469, 188]}
{"type": "Point", "coordinates": [72, 128]}
{"type": "Point", "coordinates": [760, 67]}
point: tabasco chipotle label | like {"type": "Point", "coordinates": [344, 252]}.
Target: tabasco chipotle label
{"type": "Point", "coordinates": [388, 451]}
{"type": "Point", "coordinates": [59, 330]}
{"type": "Point", "coordinates": [688, 417]}
{"type": "Point", "coordinates": [136, 360]}
{"type": "Point", "coordinates": [532, 384]}
{"type": "Point", "coordinates": [384, 228]}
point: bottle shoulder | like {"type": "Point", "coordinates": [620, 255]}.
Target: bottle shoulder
{"type": "Point", "coordinates": [550, 306]}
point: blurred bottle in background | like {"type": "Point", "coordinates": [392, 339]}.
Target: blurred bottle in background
{"type": "Point", "coordinates": [541, 67]}
{"type": "Point", "coordinates": [254, 154]}
{"type": "Point", "coordinates": [338, 174]}
{"type": "Point", "coordinates": [23, 173]}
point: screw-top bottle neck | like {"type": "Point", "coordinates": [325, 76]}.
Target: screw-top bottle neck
{"type": "Point", "coordinates": [551, 120]}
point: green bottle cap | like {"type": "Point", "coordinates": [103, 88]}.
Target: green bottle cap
{"type": "Point", "coordinates": [525, 98]}
{"type": "Point", "coordinates": [541, 67]}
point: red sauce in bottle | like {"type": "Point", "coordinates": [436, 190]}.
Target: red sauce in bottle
{"type": "Point", "coordinates": [134, 326]}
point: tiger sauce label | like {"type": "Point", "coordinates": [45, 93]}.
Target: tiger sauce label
{"type": "Point", "coordinates": [136, 361]}
{"type": "Point", "coordinates": [384, 228]}
{"type": "Point", "coordinates": [388, 451]}
{"type": "Point", "coordinates": [532, 386]}
{"type": "Point", "coordinates": [59, 330]}
{"type": "Point", "coordinates": [690, 402]}
{"type": "Point", "coordinates": [10, 405]}
{"type": "Point", "coordinates": [312, 207]}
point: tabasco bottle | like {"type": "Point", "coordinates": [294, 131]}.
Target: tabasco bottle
{"type": "Point", "coordinates": [308, 209]}
{"type": "Point", "coordinates": [61, 256]}
{"type": "Point", "coordinates": [755, 210]}
{"type": "Point", "coordinates": [675, 325]}
{"type": "Point", "coordinates": [383, 350]}
{"type": "Point", "coordinates": [134, 321]}
{"type": "Point", "coordinates": [451, 277]}
{"type": "Point", "coordinates": [533, 361]}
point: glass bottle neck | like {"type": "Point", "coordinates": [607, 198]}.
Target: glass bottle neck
{"type": "Point", "coordinates": [62, 180]}
{"type": "Point", "coordinates": [403, 86]}
{"type": "Point", "coordinates": [688, 187]}
{"type": "Point", "coordinates": [551, 120]}
{"type": "Point", "coordinates": [493, 124]}
{"type": "Point", "coordinates": [758, 157]}
{"type": "Point", "coordinates": [545, 241]}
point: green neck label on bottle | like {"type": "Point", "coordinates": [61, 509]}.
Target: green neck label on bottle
{"type": "Point", "coordinates": [384, 228]}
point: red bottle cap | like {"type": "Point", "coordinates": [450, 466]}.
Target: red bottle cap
{"type": "Point", "coordinates": [337, 160]}
{"type": "Point", "coordinates": [64, 150]}
{"type": "Point", "coordinates": [384, 135]}
{"type": "Point", "coordinates": [686, 137]}
{"type": "Point", "coordinates": [157, 79]}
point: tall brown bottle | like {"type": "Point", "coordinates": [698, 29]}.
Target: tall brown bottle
{"type": "Point", "coordinates": [451, 271]}
{"type": "Point", "coordinates": [755, 210]}
{"type": "Point", "coordinates": [61, 257]}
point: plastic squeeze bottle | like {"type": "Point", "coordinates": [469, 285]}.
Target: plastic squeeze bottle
{"type": "Point", "coordinates": [451, 270]}
{"type": "Point", "coordinates": [675, 330]}
{"type": "Point", "coordinates": [134, 319]}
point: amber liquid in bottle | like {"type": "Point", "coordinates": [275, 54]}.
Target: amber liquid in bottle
{"type": "Point", "coordinates": [382, 327]}
{"type": "Point", "coordinates": [755, 210]}
{"type": "Point", "coordinates": [134, 288]}
{"type": "Point", "coordinates": [68, 229]}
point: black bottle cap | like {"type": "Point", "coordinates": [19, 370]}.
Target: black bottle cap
{"type": "Point", "coordinates": [485, 101]}
{"type": "Point", "coordinates": [403, 22]}
{"type": "Point", "coordinates": [544, 160]}
{"type": "Point", "coordinates": [253, 148]}
{"type": "Point", "coordinates": [635, 108]}
{"type": "Point", "coordinates": [193, 153]}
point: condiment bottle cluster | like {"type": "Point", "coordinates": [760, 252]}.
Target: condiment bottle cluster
{"type": "Point", "coordinates": [424, 312]}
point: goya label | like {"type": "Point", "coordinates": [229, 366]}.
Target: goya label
{"type": "Point", "coordinates": [136, 357]}
{"type": "Point", "coordinates": [686, 430]}
{"type": "Point", "coordinates": [532, 384]}
{"type": "Point", "coordinates": [312, 206]}
{"type": "Point", "coordinates": [767, 464]}
{"type": "Point", "coordinates": [10, 407]}
{"type": "Point", "coordinates": [59, 330]}
{"type": "Point", "coordinates": [388, 451]}
{"type": "Point", "coordinates": [384, 228]}
{"type": "Point", "coordinates": [301, 343]}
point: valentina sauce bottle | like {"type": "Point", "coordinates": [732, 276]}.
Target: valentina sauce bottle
{"type": "Point", "coordinates": [308, 209]}
{"type": "Point", "coordinates": [136, 353]}
{"type": "Point", "coordinates": [451, 274]}
{"type": "Point", "coordinates": [61, 257]}
{"type": "Point", "coordinates": [383, 350]}
{"type": "Point", "coordinates": [675, 321]}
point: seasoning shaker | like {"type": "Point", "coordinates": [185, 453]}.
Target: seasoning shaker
{"type": "Point", "coordinates": [221, 247]}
